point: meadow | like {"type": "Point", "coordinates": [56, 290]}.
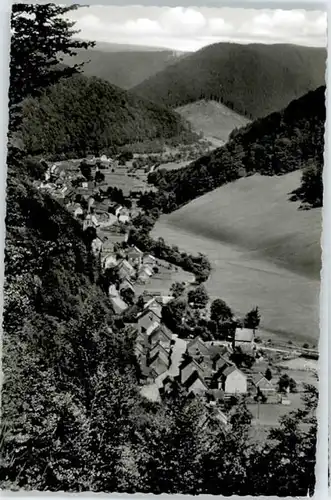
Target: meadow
{"type": "Point", "coordinates": [122, 180]}
{"type": "Point", "coordinates": [213, 119]}
{"type": "Point", "coordinates": [264, 251]}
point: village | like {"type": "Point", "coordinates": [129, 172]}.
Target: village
{"type": "Point", "coordinates": [102, 194]}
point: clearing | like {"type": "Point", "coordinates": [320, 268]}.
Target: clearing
{"type": "Point", "coordinates": [264, 251]}
{"type": "Point", "coordinates": [213, 119]}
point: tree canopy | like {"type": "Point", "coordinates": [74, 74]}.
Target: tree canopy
{"type": "Point", "coordinates": [41, 35]}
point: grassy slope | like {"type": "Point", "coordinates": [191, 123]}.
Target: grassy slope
{"type": "Point", "coordinates": [122, 67]}
{"type": "Point", "coordinates": [254, 79]}
{"type": "Point", "coordinates": [254, 213]}
{"type": "Point", "coordinates": [264, 251]}
{"type": "Point", "coordinates": [88, 113]}
{"type": "Point", "coordinates": [212, 118]}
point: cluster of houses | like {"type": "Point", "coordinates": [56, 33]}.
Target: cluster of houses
{"type": "Point", "coordinates": [203, 368]}
{"type": "Point", "coordinates": [133, 267]}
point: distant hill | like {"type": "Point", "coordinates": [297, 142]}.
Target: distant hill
{"type": "Point", "coordinates": [123, 65]}
{"type": "Point", "coordinates": [84, 114]}
{"type": "Point", "coordinates": [126, 47]}
{"type": "Point", "coordinates": [212, 118]}
{"type": "Point", "coordinates": [254, 80]}
{"type": "Point", "coordinates": [279, 143]}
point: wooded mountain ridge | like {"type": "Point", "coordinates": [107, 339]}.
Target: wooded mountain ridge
{"type": "Point", "coordinates": [253, 80]}
{"type": "Point", "coordinates": [124, 66]}
{"type": "Point", "coordinates": [83, 114]}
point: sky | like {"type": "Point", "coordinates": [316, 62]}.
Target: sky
{"type": "Point", "coordinates": [191, 28]}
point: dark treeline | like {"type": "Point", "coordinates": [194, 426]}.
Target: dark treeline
{"type": "Point", "coordinates": [279, 143]}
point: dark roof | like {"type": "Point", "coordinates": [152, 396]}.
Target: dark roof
{"type": "Point", "coordinates": [193, 378]}
{"type": "Point", "coordinates": [156, 350]}
{"type": "Point", "coordinates": [257, 378]}
{"type": "Point", "coordinates": [164, 330]}
{"type": "Point", "coordinates": [229, 370]}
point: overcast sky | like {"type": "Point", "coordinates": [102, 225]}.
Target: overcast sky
{"type": "Point", "coordinates": [189, 29]}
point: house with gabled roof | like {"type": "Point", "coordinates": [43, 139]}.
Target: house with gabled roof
{"type": "Point", "coordinates": [158, 364]}
{"type": "Point", "coordinates": [233, 381]}
{"type": "Point", "coordinates": [161, 335]}
{"type": "Point", "coordinates": [145, 273]}
{"type": "Point", "coordinates": [160, 351]}
{"type": "Point", "coordinates": [90, 221]}
{"type": "Point", "coordinates": [195, 384]}
{"type": "Point", "coordinates": [125, 270]}
{"type": "Point", "coordinates": [155, 306]}
{"type": "Point", "coordinates": [109, 261]}
{"type": "Point", "coordinates": [244, 338]}
{"type": "Point", "coordinates": [135, 256]}
{"type": "Point", "coordinates": [197, 348]}
{"type": "Point", "coordinates": [149, 260]}
{"type": "Point", "coordinates": [148, 321]}
{"type": "Point", "coordinates": [189, 366]}
{"type": "Point", "coordinates": [263, 385]}
{"type": "Point", "coordinates": [127, 283]}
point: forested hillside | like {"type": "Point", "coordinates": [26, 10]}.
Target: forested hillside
{"type": "Point", "coordinates": [254, 80]}
{"type": "Point", "coordinates": [81, 115]}
{"type": "Point", "coordinates": [122, 67]}
{"type": "Point", "coordinates": [281, 142]}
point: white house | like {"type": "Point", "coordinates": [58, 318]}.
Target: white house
{"type": "Point", "coordinates": [233, 381]}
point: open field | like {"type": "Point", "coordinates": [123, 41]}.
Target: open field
{"type": "Point", "coordinates": [122, 180]}
{"type": "Point", "coordinates": [174, 165]}
{"type": "Point", "coordinates": [263, 250]}
{"type": "Point", "coordinates": [162, 281]}
{"type": "Point", "coordinates": [213, 119]}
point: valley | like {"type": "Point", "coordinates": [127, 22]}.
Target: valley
{"type": "Point", "coordinates": [162, 261]}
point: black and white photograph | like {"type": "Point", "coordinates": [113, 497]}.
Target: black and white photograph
{"type": "Point", "coordinates": [164, 195]}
